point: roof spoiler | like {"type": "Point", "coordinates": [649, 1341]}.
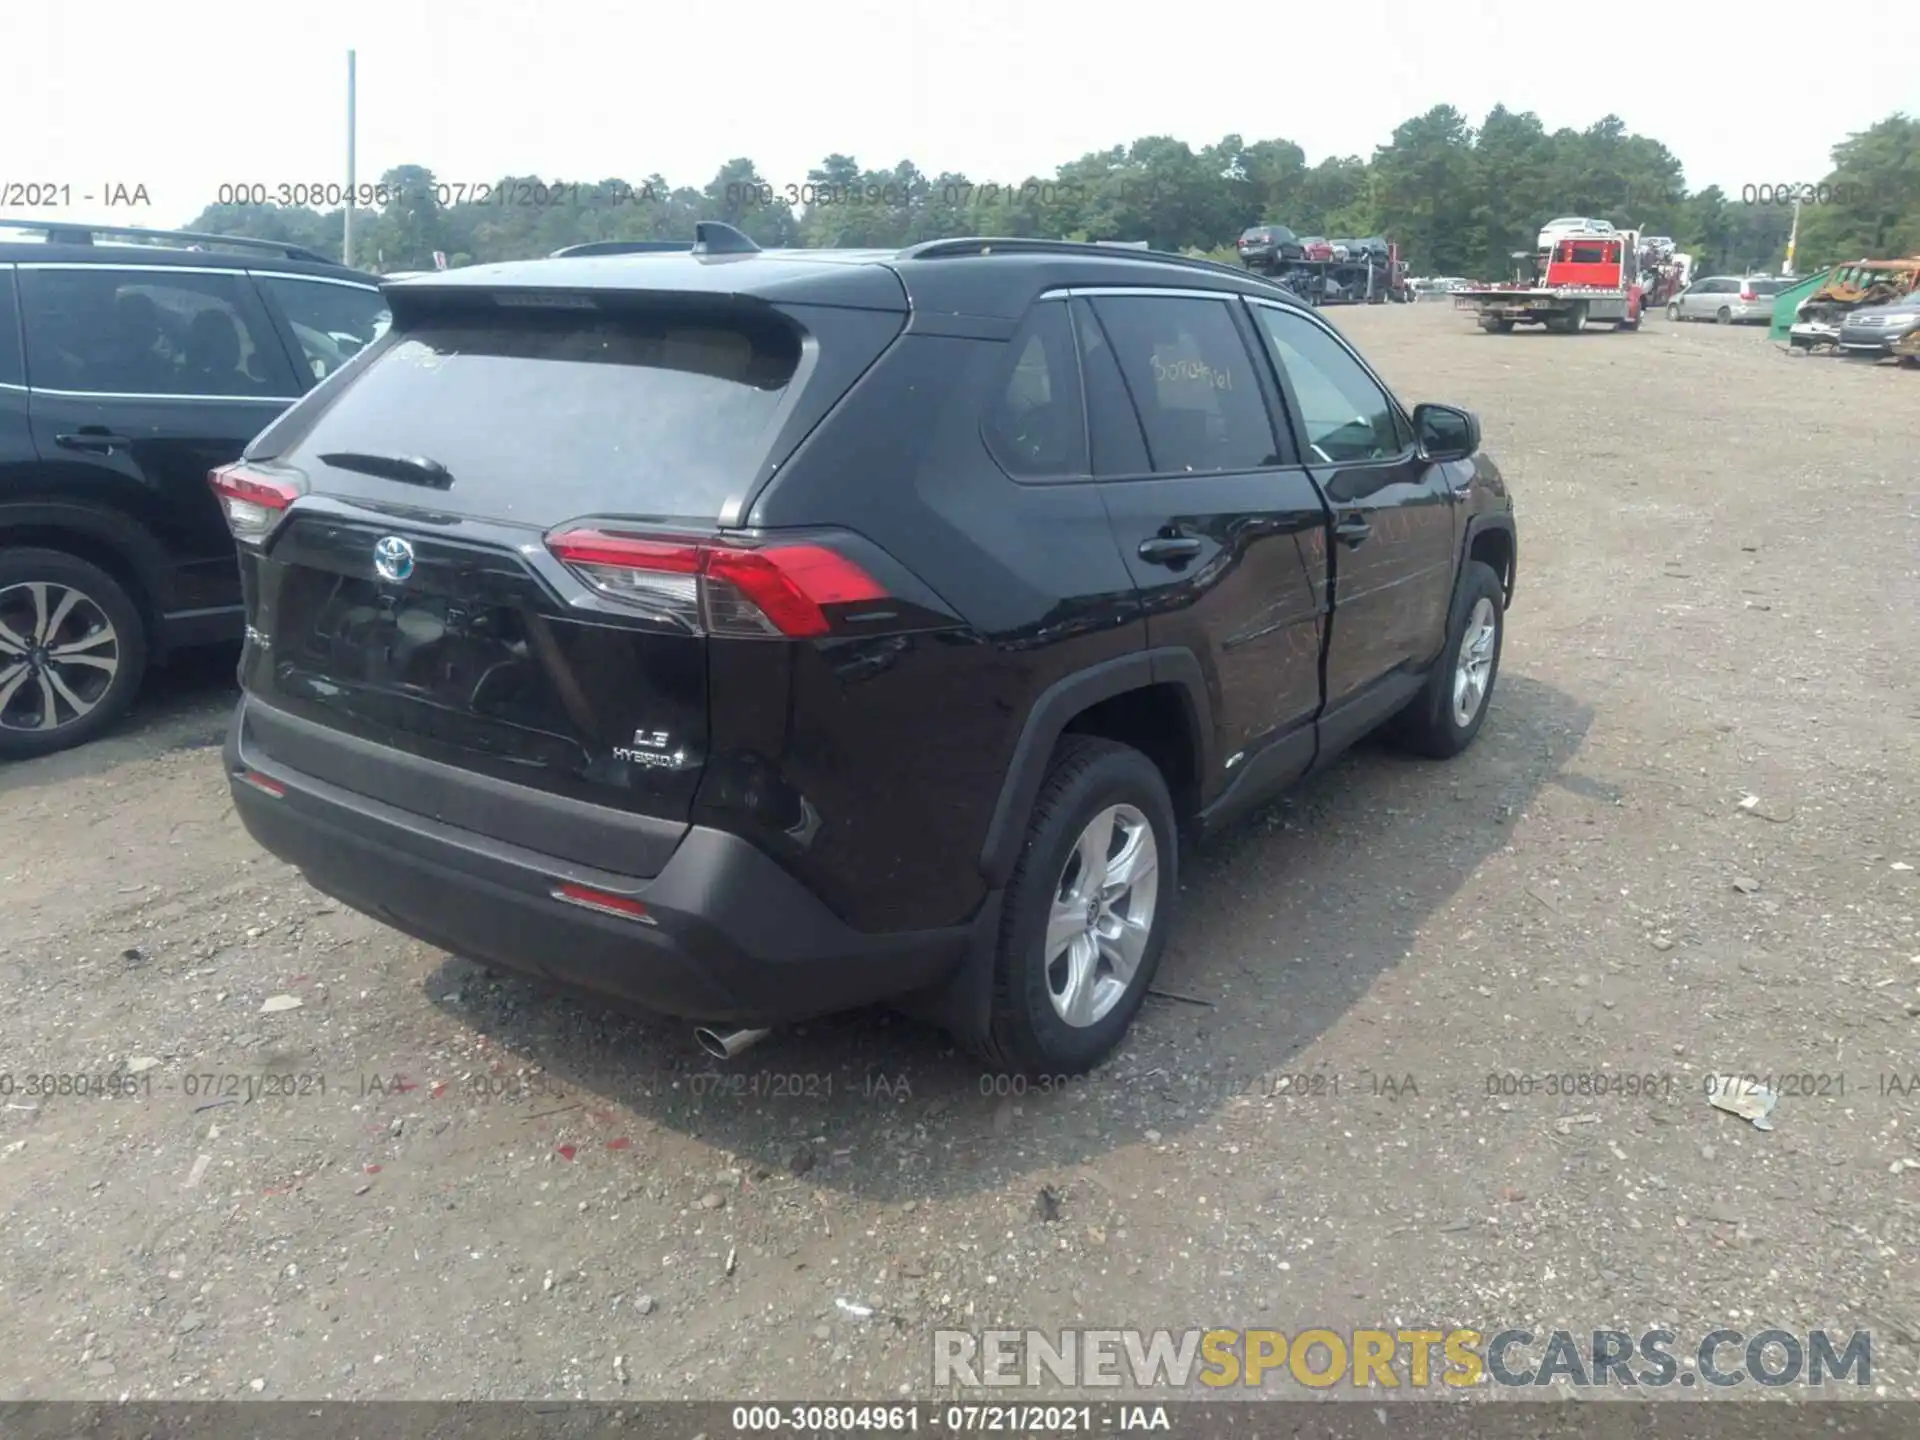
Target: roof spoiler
{"type": "Point", "coordinates": [621, 247]}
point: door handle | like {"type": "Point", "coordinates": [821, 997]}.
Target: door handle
{"type": "Point", "coordinates": [101, 442]}
{"type": "Point", "coordinates": [1353, 530]}
{"type": "Point", "coordinates": [1169, 549]}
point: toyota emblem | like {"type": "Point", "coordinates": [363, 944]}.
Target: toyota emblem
{"type": "Point", "coordinates": [393, 558]}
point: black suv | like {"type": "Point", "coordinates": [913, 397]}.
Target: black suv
{"type": "Point", "coordinates": [1269, 247]}
{"type": "Point", "coordinates": [757, 635]}
{"type": "Point", "coordinates": [128, 369]}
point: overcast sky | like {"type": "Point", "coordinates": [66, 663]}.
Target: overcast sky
{"type": "Point", "coordinates": [181, 101]}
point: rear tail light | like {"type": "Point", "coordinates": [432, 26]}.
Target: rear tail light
{"type": "Point", "coordinates": [777, 590]}
{"type": "Point", "coordinates": [1747, 293]}
{"type": "Point", "coordinates": [253, 500]}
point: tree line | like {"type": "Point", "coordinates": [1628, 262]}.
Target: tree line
{"type": "Point", "coordinates": [1459, 199]}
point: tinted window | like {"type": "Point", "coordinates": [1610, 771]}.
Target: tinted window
{"type": "Point", "coordinates": [646, 413]}
{"type": "Point", "coordinates": [1768, 287]}
{"type": "Point", "coordinates": [331, 322]}
{"type": "Point", "coordinates": [149, 332]}
{"type": "Point", "coordinates": [1035, 426]}
{"type": "Point", "coordinates": [12, 371]}
{"type": "Point", "coordinates": [1192, 381]}
{"type": "Point", "coordinates": [1114, 427]}
{"type": "Point", "coordinates": [1344, 415]}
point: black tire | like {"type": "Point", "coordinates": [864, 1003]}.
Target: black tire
{"type": "Point", "coordinates": [1673, 313]}
{"type": "Point", "coordinates": [1428, 725]}
{"type": "Point", "coordinates": [1723, 316]}
{"type": "Point", "coordinates": [1025, 1034]}
{"type": "Point", "coordinates": [102, 597]}
{"type": "Point", "coordinates": [1497, 327]}
{"type": "Point", "coordinates": [1575, 321]}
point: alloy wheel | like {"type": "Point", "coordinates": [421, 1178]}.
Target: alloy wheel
{"type": "Point", "coordinates": [1474, 668]}
{"type": "Point", "coordinates": [59, 654]}
{"type": "Point", "coordinates": [1102, 915]}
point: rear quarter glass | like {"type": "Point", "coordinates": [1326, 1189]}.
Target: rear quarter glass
{"type": "Point", "coordinates": [543, 416]}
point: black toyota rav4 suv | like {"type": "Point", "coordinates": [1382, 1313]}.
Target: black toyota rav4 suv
{"type": "Point", "coordinates": [754, 635]}
{"type": "Point", "coordinates": [131, 362]}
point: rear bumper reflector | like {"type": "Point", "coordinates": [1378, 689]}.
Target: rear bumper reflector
{"type": "Point", "coordinates": [263, 784]}
{"type": "Point", "coordinates": [605, 903]}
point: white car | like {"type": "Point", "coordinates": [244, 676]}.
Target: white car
{"type": "Point", "coordinates": [1555, 231]}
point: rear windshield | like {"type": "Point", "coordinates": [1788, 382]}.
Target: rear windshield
{"type": "Point", "coordinates": [647, 413]}
{"type": "Point", "coordinates": [1766, 287]}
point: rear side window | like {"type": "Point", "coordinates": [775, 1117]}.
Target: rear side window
{"type": "Point", "coordinates": [1036, 426]}
{"type": "Point", "coordinates": [150, 332]}
{"type": "Point", "coordinates": [1192, 381]}
{"type": "Point", "coordinates": [332, 322]}
{"type": "Point", "coordinates": [645, 413]}
{"type": "Point", "coordinates": [12, 370]}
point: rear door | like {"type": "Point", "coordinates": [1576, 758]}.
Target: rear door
{"type": "Point", "coordinates": [1700, 302]}
{"type": "Point", "coordinates": [16, 436]}
{"type": "Point", "coordinates": [1396, 518]}
{"type": "Point", "coordinates": [143, 379]}
{"type": "Point", "coordinates": [1219, 522]}
{"type": "Point", "coordinates": [411, 599]}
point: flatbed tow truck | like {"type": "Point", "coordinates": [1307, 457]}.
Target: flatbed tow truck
{"type": "Point", "coordinates": [1582, 278]}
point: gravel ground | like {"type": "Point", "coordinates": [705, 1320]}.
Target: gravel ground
{"type": "Point", "coordinates": [1684, 843]}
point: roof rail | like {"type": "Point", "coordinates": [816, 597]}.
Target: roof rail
{"type": "Point", "coordinates": [70, 232]}
{"type": "Point", "coordinates": [1027, 245]}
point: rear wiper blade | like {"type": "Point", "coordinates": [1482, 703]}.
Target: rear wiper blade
{"type": "Point", "coordinates": [408, 469]}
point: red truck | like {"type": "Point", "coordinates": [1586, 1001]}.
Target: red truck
{"type": "Point", "coordinates": [1584, 277]}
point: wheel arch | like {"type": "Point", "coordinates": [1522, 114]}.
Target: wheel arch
{"type": "Point", "coordinates": [1493, 540]}
{"type": "Point", "coordinates": [113, 543]}
{"type": "Point", "coordinates": [1154, 700]}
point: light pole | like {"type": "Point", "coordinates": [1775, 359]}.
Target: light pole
{"type": "Point", "coordinates": [346, 239]}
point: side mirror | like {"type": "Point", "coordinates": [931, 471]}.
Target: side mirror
{"type": "Point", "coordinates": [1446, 432]}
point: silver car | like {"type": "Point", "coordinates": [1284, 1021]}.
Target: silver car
{"type": "Point", "coordinates": [1729, 299]}
{"type": "Point", "coordinates": [1870, 331]}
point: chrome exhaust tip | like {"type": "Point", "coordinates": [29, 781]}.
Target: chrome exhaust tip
{"type": "Point", "coordinates": [725, 1044]}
